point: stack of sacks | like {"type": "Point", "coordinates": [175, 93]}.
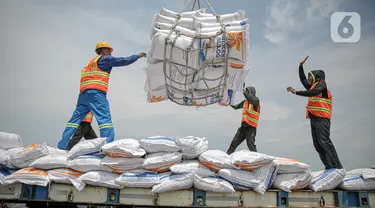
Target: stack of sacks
{"type": "Point", "coordinates": [359, 180]}
{"type": "Point", "coordinates": [261, 171]}
{"type": "Point", "coordinates": [86, 157]}
{"type": "Point", "coordinates": [196, 77]}
{"type": "Point", "coordinates": [123, 155]}
{"type": "Point", "coordinates": [292, 175]}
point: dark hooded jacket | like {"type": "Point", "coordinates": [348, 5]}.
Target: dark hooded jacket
{"type": "Point", "coordinates": [318, 76]}
{"type": "Point", "coordinates": [250, 95]}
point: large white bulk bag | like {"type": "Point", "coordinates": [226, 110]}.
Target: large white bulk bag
{"type": "Point", "coordinates": [174, 182]}
{"type": "Point", "coordinates": [23, 158]}
{"type": "Point", "coordinates": [286, 165]}
{"type": "Point", "coordinates": [9, 140]}
{"type": "Point", "coordinates": [191, 166]}
{"type": "Point", "coordinates": [192, 146]}
{"type": "Point", "coordinates": [155, 96]}
{"type": "Point", "coordinates": [289, 182]}
{"type": "Point", "coordinates": [327, 179]}
{"type": "Point", "coordinates": [88, 163]}
{"type": "Point", "coordinates": [159, 144]}
{"type": "Point", "coordinates": [166, 27]}
{"type": "Point", "coordinates": [359, 180]}
{"type": "Point", "coordinates": [248, 160]}
{"type": "Point", "coordinates": [161, 161]}
{"type": "Point", "coordinates": [87, 147]}
{"type": "Point", "coordinates": [216, 160]}
{"type": "Point", "coordinates": [67, 176]}
{"type": "Point", "coordinates": [50, 162]}
{"type": "Point", "coordinates": [212, 184]}
{"type": "Point", "coordinates": [120, 165]}
{"type": "Point", "coordinates": [100, 178]}
{"type": "Point", "coordinates": [266, 175]}
{"type": "Point", "coordinates": [169, 13]}
{"type": "Point", "coordinates": [143, 179]}
{"type": "Point", "coordinates": [181, 44]}
{"type": "Point", "coordinates": [240, 178]}
{"type": "Point", "coordinates": [3, 174]}
{"type": "Point", "coordinates": [124, 148]}
{"type": "Point", "coordinates": [30, 176]}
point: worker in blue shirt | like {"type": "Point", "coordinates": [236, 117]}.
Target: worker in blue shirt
{"type": "Point", "coordinates": [93, 93]}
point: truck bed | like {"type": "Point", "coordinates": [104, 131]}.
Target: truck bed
{"type": "Point", "coordinates": [138, 197]}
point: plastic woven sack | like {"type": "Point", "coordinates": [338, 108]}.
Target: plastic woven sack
{"type": "Point", "coordinates": [212, 184]}
{"type": "Point", "coordinates": [248, 160]}
{"type": "Point", "coordinates": [241, 179]}
{"type": "Point", "coordinates": [191, 166]}
{"type": "Point", "coordinates": [23, 158]}
{"type": "Point", "coordinates": [88, 163]}
{"type": "Point", "coordinates": [30, 176]}
{"type": "Point", "coordinates": [9, 140]}
{"type": "Point", "coordinates": [289, 182]}
{"type": "Point", "coordinates": [161, 161]}
{"type": "Point", "coordinates": [124, 148]}
{"type": "Point", "coordinates": [327, 179]}
{"type": "Point", "coordinates": [120, 165]}
{"type": "Point", "coordinates": [192, 146]}
{"type": "Point", "coordinates": [286, 165]}
{"type": "Point", "coordinates": [50, 162]}
{"type": "Point", "coordinates": [87, 147]}
{"type": "Point", "coordinates": [67, 176]}
{"type": "Point", "coordinates": [216, 160]}
{"type": "Point", "coordinates": [144, 179]}
{"type": "Point", "coordinates": [174, 182]}
{"type": "Point", "coordinates": [100, 178]}
{"type": "Point", "coordinates": [159, 144]}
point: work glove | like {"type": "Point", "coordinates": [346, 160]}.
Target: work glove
{"type": "Point", "coordinates": [142, 55]}
{"type": "Point", "coordinates": [290, 89]}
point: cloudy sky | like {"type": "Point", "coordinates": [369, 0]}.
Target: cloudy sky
{"type": "Point", "coordinates": [46, 44]}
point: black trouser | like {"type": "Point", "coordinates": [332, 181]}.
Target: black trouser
{"type": "Point", "coordinates": [84, 130]}
{"type": "Point", "coordinates": [244, 132]}
{"type": "Point", "coordinates": [320, 130]}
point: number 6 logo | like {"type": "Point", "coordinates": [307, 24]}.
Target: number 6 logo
{"type": "Point", "coordinates": [345, 27]}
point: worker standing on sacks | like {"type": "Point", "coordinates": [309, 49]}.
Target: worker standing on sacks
{"type": "Point", "coordinates": [84, 130]}
{"type": "Point", "coordinates": [93, 93]}
{"type": "Point", "coordinates": [250, 117]}
{"type": "Point", "coordinates": [319, 111]}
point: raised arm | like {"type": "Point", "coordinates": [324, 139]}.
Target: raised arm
{"type": "Point", "coordinates": [238, 106]}
{"type": "Point", "coordinates": [302, 75]}
{"type": "Point", "coordinates": [107, 62]}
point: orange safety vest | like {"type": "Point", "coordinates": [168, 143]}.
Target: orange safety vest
{"type": "Point", "coordinates": [94, 78]}
{"type": "Point", "coordinates": [250, 115]}
{"type": "Point", "coordinates": [88, 118]}
{"type": "Point", "coordinates": [319, 106]}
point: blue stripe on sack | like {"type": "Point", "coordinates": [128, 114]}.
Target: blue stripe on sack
{"type": "Point", "coordinates": [93, 153]}
{"type": "Point", "coordinates": [323, 175]}
{"type": "Point", "coordinates": [142, 175]}
{"type": "Point", "coordinates": [160, 138]}
{"type": "Point", "coordinates": [243, 22]}
{"type": "Point", "coordinates": [271, 177]}
{"type": "Point", "coordinates": [4, 172]}
{"type": "Point", "coordinates": [353, 178]}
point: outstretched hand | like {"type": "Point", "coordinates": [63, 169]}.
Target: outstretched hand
{"type": "Point", "coordinates": [304, 60]}
{"type": "Point", "coordinates": [142, 55]}
{"type": "Point", "coordinates": [290, 89]}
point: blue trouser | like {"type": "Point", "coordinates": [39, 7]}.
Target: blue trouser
{"type": "Point", "coordinates": [95, 101]}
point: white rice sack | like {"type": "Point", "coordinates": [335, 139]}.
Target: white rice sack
{"type": "Point", "coordinates": [120, 165]}
{"type": "Point", "coordinates": [289, 182]}
{"type": "Point", "coordinates": [9, 140]}
{"type": "Point", "coordinates": [212, 184]}
{"type": "Point", "coordinates": [286, 165]}
{"type": "Point", "coordinates": [159, 144]}
{"type": "Point", "coordinates": [266, 175]}
{"type": "Point", "coordinates": [191, 166]}
{"type": "Point", "coordinates": [30, 176]}
{"type": "Point", "coordinates": [87, 147]}
{"type": "Point", "coordinates": [3, 174]}
{"type": "Point", "coordinates": [366, 173]}
{"type": "Point", "coordinates": [161, 161]}
{"type": "Point", "coordinates": [3, 157]}
{"type": "Point", "coordinates": [10, 153]}
{"type": "Point", "coordinates": [50, 162]}
{"type": "Point", "coordinates": [327, 179]}
{"type": "Point", "coordinates": [200, 25]}
{"type": "Point", "coordinates": [216, 160]}
{"type": "Point", "coordinates": [88, 163]}
{"type": "Point", "coordinates": [174, 182]}
{"type": "Point", "coordinates": [124, 148]}
{"type": "Point", "coordinates": [192, 146]}
{"type": "Point", "coordinates": [100, 178]}
{"type": "Point", "coordinates": [67, 176]}
{"type": "Point", "coordinates": [357, 183]}
{"type": "Point", "coordinates": [56, 151]}
{"type": "Point", "coordinates": [179, 55]}
{"type": "Point", "coordinates": [240, 178]}
{"type": "Point", "coordinates": [141, 179]}
{"type": "Point", "coordinates": [248, 160]}
{"type": "Point", "coordinates": [359, 180]}
{"type": "Point", "coordinates": [185, 22]}
{"type": "Point", "coordinates": [223, 17]}
{"type": "Point", "coordinates": [28, 154]}
{"type": "Point", "coordinates": [169, 13]}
